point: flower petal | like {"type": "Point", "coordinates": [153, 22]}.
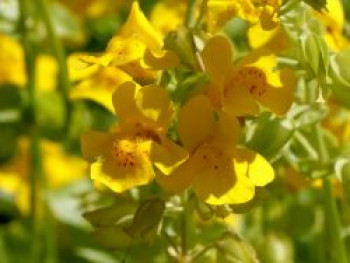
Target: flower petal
{"type": "Point", "coordinates": [218, 181]}
{"type": "Point", "coordinates": [124, 164]}
{"type": "Point", "coordinates": [100, 87]}
{"type": "Point", "coordinates": [279, 99]}
{"type": "Point", "coordinates": [120, 179]}
{"type": "Point", "coordinates": [228, 130]}
{"type": "Point", "coordinates": [217, 57]}
{"type": "Point", "coordinates": [241, 192]}
{"type": "Point", "coordinates": [124, 101]}
{"type": "Point", "coordinates": [137, 26]}
{"type": "Point", "coordinates": [254, 166]}
{"type": "Point", "coordinates": [180, 179]}
{"type": "Point", "coordinates": [82, 66]}
{"type": "Point", "coordinates": [239, 102]}
{"type": "Point", "coordinates": [167, 156]}
{"type": "Point", "coordinates": [94, 143]}
{"type": "Point", "coordinates": [125, 50]}
{"type": "Point", "coordinates": [196, 122]}
{"type": "Point", "coordinates": [155, 104]}
{"type": "Point", "coordinates": [161, 60]}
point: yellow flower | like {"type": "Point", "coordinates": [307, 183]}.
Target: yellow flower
{"type": "Point", "coordinates": [269, 17]}
{"type": "Point", "coordinates": [46, 73]}
{"type": "Point", "coordinates": [168, 15]}
{"type": "Point", "coordinates": [137, 36]}
{"type": "Point", "coordinates": [219, 171]}
{"type": "Point", "coordinates": [94, 8]}
{"type": "Point", "coordinates": [253, 11]}
{"type": "Point", "coordinates": [221, 11]}
{"type": "Point", "coordinates": [12, 69]}
{"type": "Point", "coordinates": [276, 39]}
{"type": "Point", "coordinates": [127, 48]}
{"type": "Point", "coordinates": [59, 169]}
{"type": "Point", "coordinates": [94, 81]}
{"type": "Point", "coordinates": [238, 89]}
{"type": "Point", "coordinates": [124, 158]}
{"type": "Point", "coordinates": [333, 21]}
{"type": "Point", "coordinates": [134, 53]}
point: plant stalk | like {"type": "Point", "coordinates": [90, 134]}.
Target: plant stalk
{"type": "Point", "coordinates": [333, 225]}
{"type": "Point", "coordinates": [59, 53]}
{"type": "Point", "coordinates": [190, 14]}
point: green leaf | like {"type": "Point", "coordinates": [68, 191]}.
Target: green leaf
{"type": "Point", "coordinates": [204, 210]}
{"type": "Point", "coordinates": [281, 243]}
{"type": "Point", "coordinates": [49, 112]}
{"type": "Point", "coordinates": [318, 5]}
{"type": "Point", "coordinates": [342, 171]}
{"type": "Point", "coordinates": [8, 141]}
{"type": "Point", "coordinates": [340, 70]}
{"type": "Point", "coordinates": [181, 42]}
{"type": "Point", "coordinates": [232, 248]}
{"type": "Point", "coordinates": [190, 87]}
{"type": "Point", "coordinates": [66, 24]}
{"type": "Point", "coordinates": [10, 97]}
{"type": "Point", "coordinates": [8, 209]}
{"type": "Point", "coordinates": [268, 135]}
{"type": "Point", "coordinates": [112, 237]}
{"type": "Point", "coordinates": [261, 195]}
{"type": "Point", "coordinates": [108, 216]}
{"type": "Point", "coordinates": [146, 218]}
{"type": "Point", "coordinates": [311, 52]}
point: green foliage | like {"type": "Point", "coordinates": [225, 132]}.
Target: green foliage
{"type": "Point", "coordinates": [340, 75]}
{"type": "Point", "coordinates": [318, 5]}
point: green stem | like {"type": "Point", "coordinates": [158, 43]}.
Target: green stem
{"type": "Point", "coordinates": [35, 159]}
{"type": "Point", "coordinates": [184, 235]}
{"type": "Point", "coordinates": [60, 55]}
{"type": "Point", "coordinates": [186, 225]}
{"type": "Point", "coordinates": [202, 12]}
{"type": "Point", "coordinates": [337, 246]}
{"type": "Point", "coordinates": [333, 225]}
{"type": "Point", "coordinates": [190, 13]}
{"type": "Point", "coordinates": [3, 250]}
{"type": "Point", "coordinates": [30, 70]}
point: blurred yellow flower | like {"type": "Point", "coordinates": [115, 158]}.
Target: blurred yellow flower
{"type": "Point", "coordinates": [167, 16]}
{"type": "Point", "coordinates": [12, 68]}
{"type": "Point", "coordinates": [237, 89]}
{"type": "Point", "coordinates": [218, 170]}
{"type": "Point", "coordinates": [93, 81]}
{"type": "Point", "coordinates": [94, 8]}
{"type": "Point", "coordinates": [59, 169]}
{"type": "Point", "coordinates": [124, 158]}
{"type": "Point", "coordinates": [338, 122]}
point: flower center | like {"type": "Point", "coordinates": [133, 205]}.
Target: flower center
{"type": "Point", "coordinates": [145, 133]}
{"type": "Point", "coordinates": [124, 153]}
{"type": "Point", "coordinates": [213, 158]}
{"type": "Point", "coordinates": [252, 79]}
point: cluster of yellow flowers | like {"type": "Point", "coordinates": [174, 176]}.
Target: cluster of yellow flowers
{"type": "Point", "coordinates": [207, 155]}
{"type": "Point", "coordinates": [205, 152]}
